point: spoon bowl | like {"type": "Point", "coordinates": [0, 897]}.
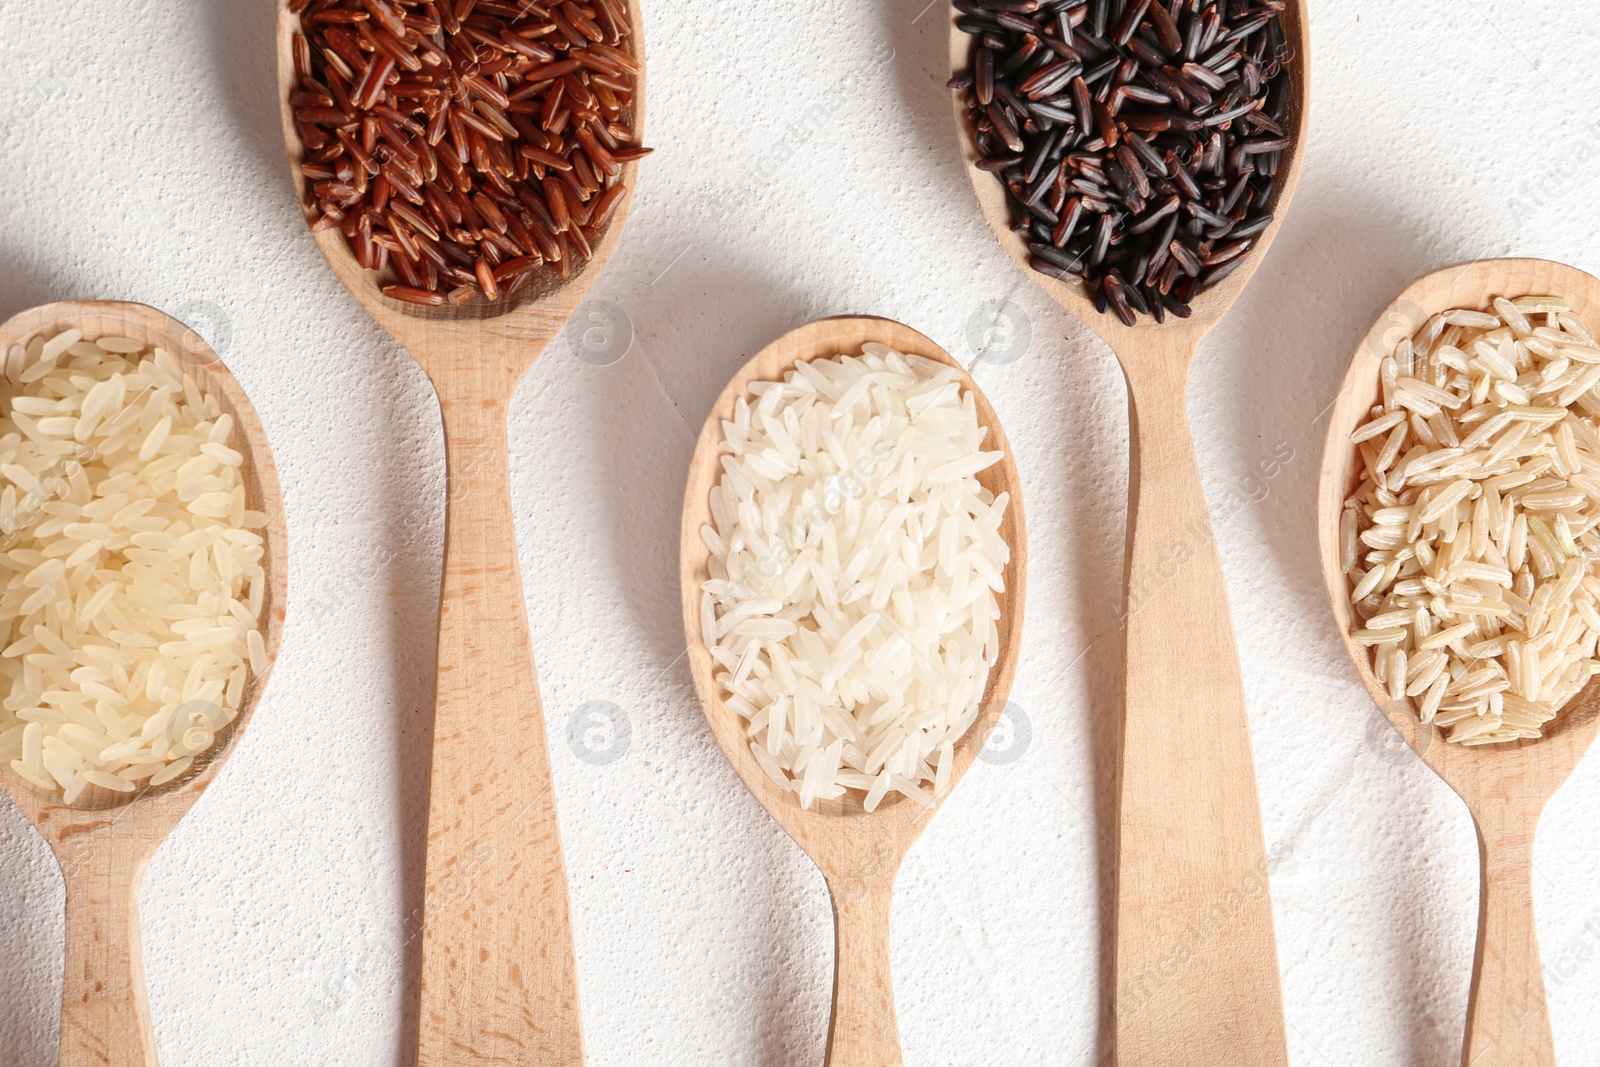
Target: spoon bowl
{"type": "Point", "coordinates": [499, 981]}
{"type": "Point", "coordinates": [1209, 305]}
{"type": "Point", "coordinates": [1184, 738]}
{"type": "Point", "coordinates": [1504, 786]}
{"type": "Point", "coordinates": [512, 330]}
{"type": "Point", "coordinates": [858, 852]}
{"type": "Point", "coordinates": [104, 842]}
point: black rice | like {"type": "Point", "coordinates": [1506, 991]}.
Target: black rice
{"type": "Point", "coordinates": [1138, 140]}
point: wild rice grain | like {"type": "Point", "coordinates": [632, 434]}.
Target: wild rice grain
{"type": "Point", "coordinates": [1162, 118]}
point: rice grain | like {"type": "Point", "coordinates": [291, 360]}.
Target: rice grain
{"type": "Point", "coordinates": [133, 577]}
{"type": "Point", "coordinates": [1471, 543]}
{"type": "Point", "coordinates": [855, 572]}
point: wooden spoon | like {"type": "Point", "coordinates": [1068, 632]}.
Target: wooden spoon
{"type": "Point", "coordinates": [1188, 989]}
{"type": "Point", "coordinates": [859, 853]}
{"type": "Point", "coordinates": [499, 982]}
{"type": "Point", "coordinates": [1505, 786]}
{"type": "Point", "coordinates": [104, 842]}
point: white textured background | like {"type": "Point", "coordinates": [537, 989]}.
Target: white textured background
{"type": "Point", "coordinates": [806, 166]}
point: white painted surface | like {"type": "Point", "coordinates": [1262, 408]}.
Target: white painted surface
{"type": "Point", "coordinates": [806, 166]}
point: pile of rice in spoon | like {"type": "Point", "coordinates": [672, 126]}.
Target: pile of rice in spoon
{"type": "Point", "coordinates": [1470, 543]}
{"type": "Point", "coordinates": [856, 561]}
{"type": "Point", "coordinates": [130, 567]}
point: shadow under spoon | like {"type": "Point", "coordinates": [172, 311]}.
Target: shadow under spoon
{"type": "Point", "coordinates": [1505, 786]}
{"type": "Point", "coordinates": [104, 842]}
{"type": "Point", "coordinates": [498, 978]}
{"type": "Point", "coordinates": [858, 852]}
{"type": "Point", "coordinates": [1189, 832]}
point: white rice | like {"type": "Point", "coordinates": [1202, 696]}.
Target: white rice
{"type": "Point", "coordinates": [855, 567]}
{"type": "Point", "coordinates": [1471, 542]}
{"type": "Point", "coordinates": [130, 569]}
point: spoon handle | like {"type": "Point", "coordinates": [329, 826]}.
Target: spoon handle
{"type": "Point", "coordinates": [1196, 960]}
{"type": "Point", "coordinates": [864, 1031]}
{"type": "Point", "coordinates": [499, 982]}
{"type": "Point", "coordinates": [1508, 1021]}
{"type": "Point", "coordinates": [105, 1015]}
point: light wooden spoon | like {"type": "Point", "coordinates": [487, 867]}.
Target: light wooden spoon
{"type": "Point", "coordinates": [1505, 786]}
{"type": "Point", "coordinates": [499, 981]}
{"type": "Point", "coordinates": [1188, 989]}
{"type": "Point", "coordinates": [859, 853]}
{"type": "Point", "coordinates": [105, 841]}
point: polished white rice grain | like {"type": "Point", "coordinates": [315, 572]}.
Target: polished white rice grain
{"type": "Point", "coordinates": [856, 565]}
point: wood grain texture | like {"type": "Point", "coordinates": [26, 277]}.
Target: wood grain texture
{"type": "Point", "coordinates": [859, 853]}
{"type": "Point", "coordinates": [1196, 963]}
{"type": "Point", "coordinates": [106, 840]}
{"type": "Point", "coordinates": [105, 1012]}
{"type": "Point", "coordinates": [864, 1031]}
{"type": "Point", "coordinates": [1505, 786]}
{"type": "Point", "coordinates": [499, 980]}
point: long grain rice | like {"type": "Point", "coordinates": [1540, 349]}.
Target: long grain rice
{"type": "Point", "coordinates": [1471, 543]}
{"type": "Point", "coordinates": [855, 569]}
